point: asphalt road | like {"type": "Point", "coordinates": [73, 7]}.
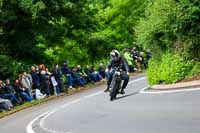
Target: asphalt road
{"type": "Point", "coordinates": [92, 112]}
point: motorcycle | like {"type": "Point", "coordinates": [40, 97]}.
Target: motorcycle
{"type": "Point", "coordinates": [116, 83]}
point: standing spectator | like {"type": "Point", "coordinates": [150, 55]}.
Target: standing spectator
{"type": "Point", "coordinates": [141, 60]}
{"type": "Point", "coordinates": [35, 77]}
{"type": "Point", "coordinates": [135, 56]}
{"type": "Point", "coordinates": [129, 60]}
{"type": "Point", "coordinates": [58, 76]}
{"type": "Point", "coordinates": [40, 68]}
{"type": "Point", "coordinates": [103, 72]}
{"type": "Point", "coordinates": [45, 82]}
{"type": "Point", "coordinates": [67, 71]}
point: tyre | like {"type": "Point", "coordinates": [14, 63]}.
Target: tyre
{"type": "Point", "coordinates": [114, 90]}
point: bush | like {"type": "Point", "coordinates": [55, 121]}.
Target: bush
{"type": "Point", "coordinates": [195, 70]}
{"type": "Point", "coordinates": [170, 69]}
{"type": "Point", "coordinates": [10, 68]}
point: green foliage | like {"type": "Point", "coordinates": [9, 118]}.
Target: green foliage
{"type": "Point", "coordinates": [170, 69]}
{"type": "Point", "coordinates": [195, 70]}
{"type": "Point", "coordinates": [171, 25]}
{"type": "Point", "coordinates": [10, 68]}
{"type": "Point", "coordinates": [119, 19]}
{"type": "Point", "coordinates": [156, 29]}
{"type": "Point", "coordinates": [85, 31]}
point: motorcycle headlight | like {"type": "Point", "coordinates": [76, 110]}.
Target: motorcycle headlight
{"type": "Point", "coordinates": [118, 73]}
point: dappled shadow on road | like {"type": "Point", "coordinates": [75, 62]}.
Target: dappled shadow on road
{"type": "Point", "coordinates": [127, 95]}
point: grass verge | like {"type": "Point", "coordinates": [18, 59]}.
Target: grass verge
{"type": "Point", "coordinates": [46, 100]}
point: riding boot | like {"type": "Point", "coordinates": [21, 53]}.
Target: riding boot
{"type": "Point", "coordinates": [122, 91]}
{"type": "Point", "coordinates": [107, 89]}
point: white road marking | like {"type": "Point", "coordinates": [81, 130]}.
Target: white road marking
{"type": "Point", "coordinates": [94, 94]}
{"type": "Point", "coordinates": [42, 122]}
{"type": "Point", "coordinates": [133, 81]}
{"type": "Point", "coordinates": [43, 116]}
{"type": "Point", "coordinates": [70, 103]}
{"type": "Point", "coordinates": [169, 91]}
{"type": "Point", "coordinates": [29, 128]}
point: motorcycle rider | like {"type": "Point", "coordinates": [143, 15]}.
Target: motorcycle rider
{"type": "Point", "coordinates": [118, 61]}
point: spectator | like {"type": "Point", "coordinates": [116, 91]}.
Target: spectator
{"type": "Point", "coordinates": [76, 77]}
{"type": "Point", "coordinates": [96, 74]}
{"type": "Point", "coordinates": [6, 95]}
{"type": "Point", "coordinates": [82, 73]}
{"type": "Point", "coordinates": [27, 75]}
{"type": "Point", "coordinates": [35, 77]}
{"type": "Point", "coordinates": [141, 60]}
{"type": "Point", "coordinates": [58, 76]}
{"type": "Point", "coordinates": [45, 81]}
{"type": "Point", "coordinates": [10, 89]}
{"type": "Point", "coordinates": [67, 71]}
{"type": "Point", "coordinates": [22, 91]}
{"type": "Point", "coordinates": [129, 60]}
{"type": "Point", "coordinates": [102, 72]}
{"type": "Point", "coordinates": [135, 56]}
{"type": "Point", "coordinates": [90, 74]}
{"type": "Point", "coordinates": [25, 82]}
{"type": "Point", "coordinates": [5, 104]}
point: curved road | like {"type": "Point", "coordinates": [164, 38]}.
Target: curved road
{"type": "Point", "coordinates": [92, 112]}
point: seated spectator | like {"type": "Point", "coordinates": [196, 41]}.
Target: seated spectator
{"type": "Point", "coordinates": [10, 89]}
{"type": "Point", "coordinates": [6, 94]}
{"type": "Point", "coordinates": [5, 105]}
{"type": "Point", "coordinates": [96, 74]}
{"type": "Point", "coordinates": [90, 74]}
{"type": "Point", "coordinates": [77, 78]}
{"type": "Point", "coordinates": [25, 82]}
{"type": "Point", "coordinates": [102, 72]}
{"type": "Point", "coordinates": [21, 91]}
{"type": "Point", "coordinates": [27, 75]}
{"type": "Point", "coordinates": [82, 73]}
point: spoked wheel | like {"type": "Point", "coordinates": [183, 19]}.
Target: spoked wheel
{"type": "Point", "coordinates": [113, 92]}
